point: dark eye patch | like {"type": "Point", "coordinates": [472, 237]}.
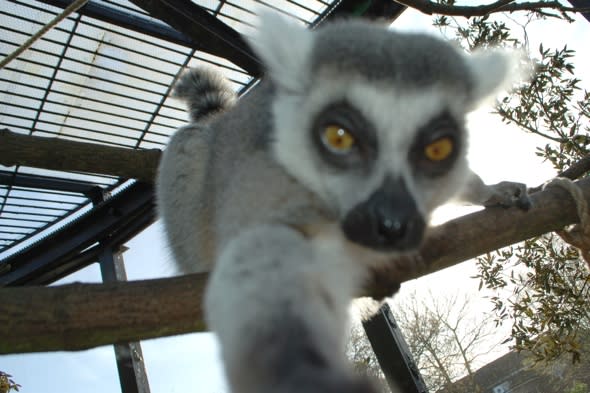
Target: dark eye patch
{"type": "Point", "coordinates": [441, 128]}
{"type": "Point", "coordinates": [364, 150]}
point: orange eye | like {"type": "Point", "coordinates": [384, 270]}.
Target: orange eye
{"type": "Point", "coordinates": [439, 149]}
{"type": "Point", "coordinates": [337, 139]}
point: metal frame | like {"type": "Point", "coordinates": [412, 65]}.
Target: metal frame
{"type": "Point", "coordinates": [192, 26]}
{"type": "Point", "coordinates": [55, 192]}
{"type": "Point", "coordinates": [48, 183]}
{"type": "Point", "coordinates": [129, 356]}
{"type": "Point", "coordinates": [111, 223]}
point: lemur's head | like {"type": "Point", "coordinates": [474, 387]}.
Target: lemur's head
{"type": "Point", "coordinates": [373, 121]}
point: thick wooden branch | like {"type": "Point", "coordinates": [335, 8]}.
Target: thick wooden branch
{"type": "Point", "coordinates": [79, 316]}
{"type": "Point", "coordinates": [66, 155]}
{"type": "Point", "coordinates": [431, 7]}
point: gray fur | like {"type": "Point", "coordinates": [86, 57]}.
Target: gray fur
{"type": "Point", "coordinates": [505, 194]}
{"type": "Point", "coordinates": [205, 91]}
{"type": "Point", "coordinates": [288, 347]}
{"type": "Point", "coordinates": [203, 204]}
{"type": "Point", "coordinates": [246, 192]}
{"type": "Point", "coordinates": [405, 59]}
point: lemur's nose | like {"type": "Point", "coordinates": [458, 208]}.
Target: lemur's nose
{"type": "Point", "coordinates": [398, 228]}
{"type": "Point", "coordinates": [388, 220]}
{"type": "Point", "coordinates": [390, 228]}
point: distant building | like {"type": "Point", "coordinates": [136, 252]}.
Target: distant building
{"type": "Point", "coordinates": [511, 374]}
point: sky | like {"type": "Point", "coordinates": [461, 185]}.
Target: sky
{"type": "Point", "coordinates": [190, 362]}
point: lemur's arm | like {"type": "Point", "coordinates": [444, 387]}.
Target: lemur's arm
{"type": "Point", "coordinates": [280, 316]}
{"type": "Point", "coordinates": [505, 194]}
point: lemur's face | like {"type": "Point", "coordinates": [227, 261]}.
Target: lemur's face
{"type": "Point", "coordinates": [381, 158]}
{"type": "Point", "coordinates": [372, 122]}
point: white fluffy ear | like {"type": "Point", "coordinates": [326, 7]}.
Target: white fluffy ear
{"type": "Point", "coordinates": [284, 47]}
{"type": "Point", "coordinates": [495, 70]}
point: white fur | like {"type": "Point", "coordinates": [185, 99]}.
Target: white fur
{"type": "Point", "coordinates": [494, 71]}
{"type": "Point", "coordinates": [396, 115]}
{"type": "Point", "coordinates": [289, 269]}
{"type": "Point", "coordinates": [284, 47]}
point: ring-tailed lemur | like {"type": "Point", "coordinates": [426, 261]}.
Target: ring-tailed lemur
{"type": "Point", "coordinates": [330, 166]}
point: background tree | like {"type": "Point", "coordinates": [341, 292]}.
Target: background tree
{"type": "Point", "coordinates": [447, 336]}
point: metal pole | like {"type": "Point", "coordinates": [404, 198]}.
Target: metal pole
{"type": "Point", "coordinates": [132, 372]}
{"type": "Point", "coordinates": [392, 352]}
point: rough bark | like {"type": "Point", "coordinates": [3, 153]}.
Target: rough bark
{"type": "Point", "coordinates": [66, 155]}
{"type": "Point", "coordinates": [79, 316]}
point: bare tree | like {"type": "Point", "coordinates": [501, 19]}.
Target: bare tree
{"type": "Point", "coordinates": [446, 337]}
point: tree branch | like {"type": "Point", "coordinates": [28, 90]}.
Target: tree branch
{"type": "Point", "coordinates": [429, 7]}
{"type": "Point", "coordinates": [65, 155]}
{"type": "Point", "coordinates": [478, 233]}
{"type": "Point", "coordinates": [80, 316]}
{"type": "Point", "coordinates": [575, 171]}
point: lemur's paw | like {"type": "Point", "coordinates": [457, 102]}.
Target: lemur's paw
{"type": "Point", "coordinates": [508, 194]}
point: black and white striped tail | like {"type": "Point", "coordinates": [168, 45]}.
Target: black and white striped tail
{"type": "Point", "coordinates": [205, 91]}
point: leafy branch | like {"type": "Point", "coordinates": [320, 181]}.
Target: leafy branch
{"type": "Point", "coordinates": [450, 9]}
{"type": "Point", "coordinates": [7, 383]}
